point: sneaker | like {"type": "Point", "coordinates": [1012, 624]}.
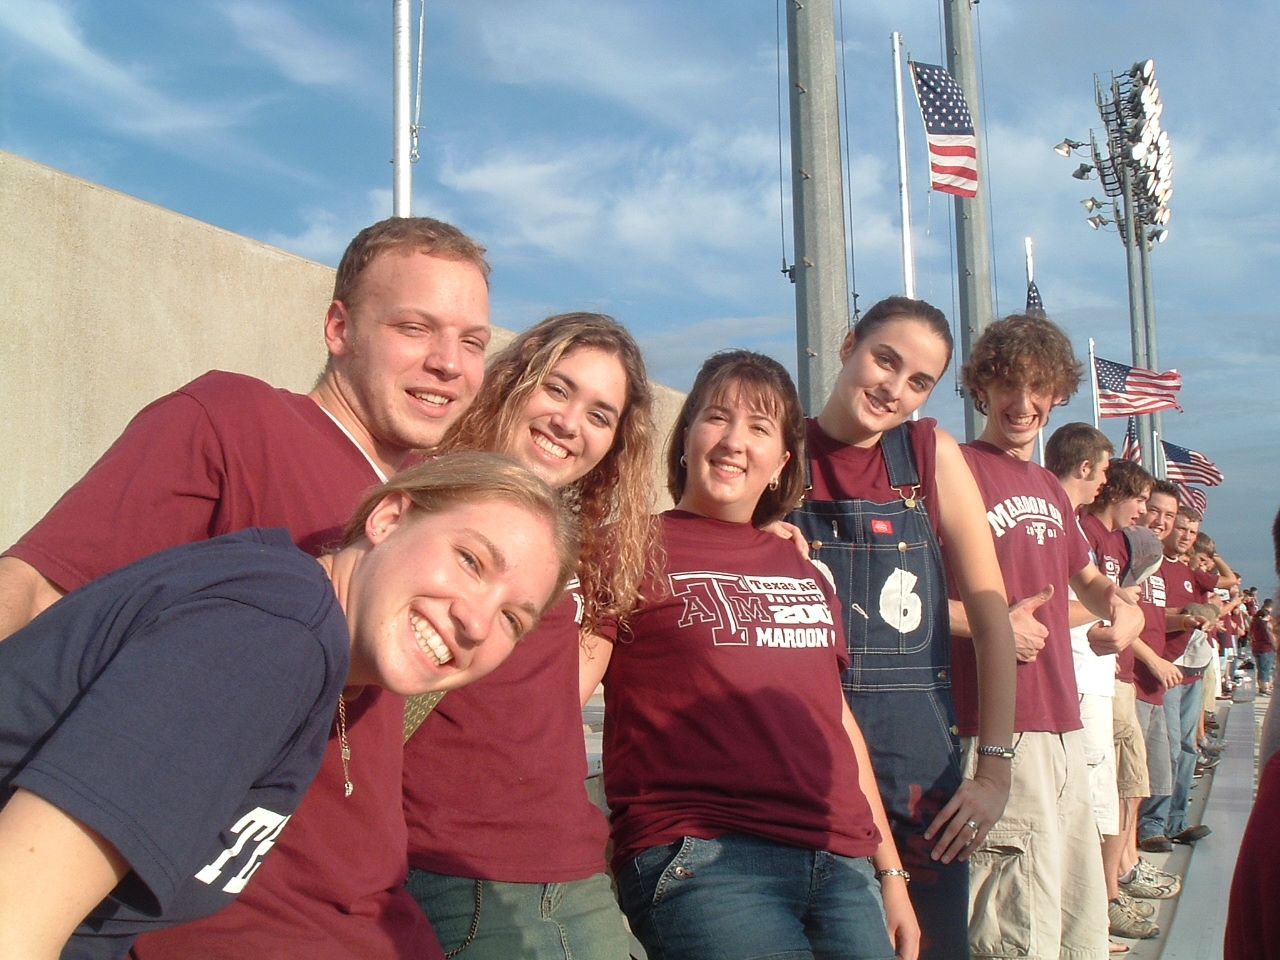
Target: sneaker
{"type": "Point", "coordinates": [1125, 923]}
{"type": "Point", "coordinates": [1207, 762]}
{"type": "Point", "coordinates": [1150, 871]}
{"type": "Point", "coordinates": [1141, 907]}
{"type": "Point", "coordinates": [1155, 845]}
{"type": "Point", "coordinates": [1151, 883]}
{"type": "Point", "coordinates": [1212, 745]}
{"type": "Point", "coordinates": [1191, 834]}
{"type": "Point", "coordinates": [1211, 722]}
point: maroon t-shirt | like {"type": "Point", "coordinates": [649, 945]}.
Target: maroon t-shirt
{"type": "Point", "coordinates": [1037, 543]}
{"type": "Point", "coordinates": [1111, 554]}
{"type": "Point", "coordinates": [1183, 585]}
{"type": "Point", "coordinates": [1152, 602]}
{"type": "Point", "coordinates": [1253, 922]}
{"type": "Point", "coordinates": [842, 471]}
{"type": "Point", "coordinates": [1259, 635]}
{"type": "Point", "coordinates": [494, 778]}
{"type": "Point", "coordinates": [723, 707]}
{"type": "Point", "coordinates": [223, 453]}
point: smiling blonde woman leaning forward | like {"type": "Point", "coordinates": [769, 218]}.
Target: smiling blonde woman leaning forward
{"type": "Point", "coordinates": [163, 721]}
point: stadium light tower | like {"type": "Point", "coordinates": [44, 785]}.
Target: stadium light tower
{"type": "Point", "coordinates": [1135, 168]}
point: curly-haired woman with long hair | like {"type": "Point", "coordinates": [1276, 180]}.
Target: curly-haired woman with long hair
{"type": "Point", "coordinates": [506, 850]}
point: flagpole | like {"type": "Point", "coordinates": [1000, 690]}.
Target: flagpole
{"type": "Point", "coordinates": [908, 262]}
{"type": "Point", "coordinates": [402, 172]}
{"type": "Point", "coordinates": [1157, 456]}
{"type": "Point", "coordinates": [1093, 380]}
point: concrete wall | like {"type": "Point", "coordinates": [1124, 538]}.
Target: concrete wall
{"type": "Point", "coordinates": [113, 302]}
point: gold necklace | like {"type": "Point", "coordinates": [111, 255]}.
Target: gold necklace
{"type": "Point", "coordinates": [345, 747]}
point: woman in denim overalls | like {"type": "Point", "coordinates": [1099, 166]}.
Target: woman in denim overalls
{"type": "Point", "coordinates": [874, 520]}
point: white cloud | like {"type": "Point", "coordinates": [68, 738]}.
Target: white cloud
{"type": "Point", "coordinates": [122, 99]}
{"type": "Point", "coordinates": [300, 52]}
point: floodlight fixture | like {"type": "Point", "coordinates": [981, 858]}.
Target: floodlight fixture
{"type": "Point", "coordinates": [1143, 70]}
{"type": "Point", "coordinates": [1161, 216]}
{"type": "Point", "coordinates": [1091, 204]}
{"type": "Point", "coordinates": [1139, 150]}
{"type": "Point", "coordinates": [1065, 148]}
{"type": "Point", "coordinates": [1097, 220]}
{"type": "Point", "coordinates": [1158, 236]}
{"type": "Point", "coordinates": [1162, 141]}
{"type": "Point", "coordinates": [1083, 171]}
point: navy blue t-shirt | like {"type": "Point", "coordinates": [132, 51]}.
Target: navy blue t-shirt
{"type": "Point", "coordinates": [178, 706]}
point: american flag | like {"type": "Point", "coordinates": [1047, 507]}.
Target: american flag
{"type": "Point", "coordinates": [948, 127]}
{"type": "Point", "coordinates": [1189, 466]}
{"type": "Point", "coordinates": [1193, 497]}
{"type": "Point", "coordinates": [1124, 390]}
{"type": "Point", "coordinates": [1131, 450]}
{"type": "Point", "coordinates": [1035, 306]}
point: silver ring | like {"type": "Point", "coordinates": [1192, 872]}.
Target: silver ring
{"type": "Point", "coordinates": [972, 825]}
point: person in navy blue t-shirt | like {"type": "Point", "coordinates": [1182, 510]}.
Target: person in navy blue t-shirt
{"type": "Point", "coordinates": [161, 723]}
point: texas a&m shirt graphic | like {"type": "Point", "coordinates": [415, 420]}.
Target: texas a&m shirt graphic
{"type": "Point", "coordinates": [741, 610]}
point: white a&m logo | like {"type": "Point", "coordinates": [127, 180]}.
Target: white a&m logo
{"type": "Point", "coordinates": [743, 610]}
{"type": "Point", "coordinates": [258, 824]}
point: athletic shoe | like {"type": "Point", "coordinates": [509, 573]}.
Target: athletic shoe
{"type": "Point", "coordinates": [1155, 845]}
{"type": "Point", "coordinates": [1211, 721]}
{"type": "Point", "coordinates": [1207, 762]}
{"type": "Point", "coordinates": [1125, 923]}
{"type": "Point", "coordinates": [1212, 745]}
{"type": "Point", "coordinates": [1141, 907]}
{"type": "Point", "coordinates": [1191, 834]}
{"type": "Point", "coordinates": [1151, 883]}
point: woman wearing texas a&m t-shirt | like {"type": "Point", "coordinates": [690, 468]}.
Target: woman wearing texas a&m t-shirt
{"type": "Point", "coordinates": [744, 809]}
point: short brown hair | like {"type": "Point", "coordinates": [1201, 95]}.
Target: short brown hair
{"type": "Point", "coordinates": [1072, 444]}
{"type": "Point", "coordinates": [764, 383]}
{"type": "Point", "coordinates": [1022, 351]}
{"type": "Point", "coordinates": [1125, 480]}
{"type": "Point", "coordinates": [464, 478]}
{"type": "Point", "coordinates": [408, 235]}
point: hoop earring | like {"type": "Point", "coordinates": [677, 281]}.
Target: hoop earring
{"type": "Point", "coordinates": [683, 461]}
{"type": "Point", "coordinates": [773, 484]}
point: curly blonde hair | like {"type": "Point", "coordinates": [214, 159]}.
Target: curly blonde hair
{"type": "Point", "coordinates": [613, 501]}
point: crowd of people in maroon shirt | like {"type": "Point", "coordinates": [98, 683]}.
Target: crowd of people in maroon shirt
{"type": "Point", "coordinates": [870, 692]}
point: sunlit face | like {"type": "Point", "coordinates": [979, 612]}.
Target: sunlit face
{"type": "Point", "coordinates": [1177, 543]}
{"type": "Point", "coordinates": [733, 450]}
{"type": "Point", "coordinates": [1125, 513]}
{"type": "Point", "coordinates": [885, 376]}
{"type": "Point", "coordinates": [1015, 416]}
{"type": "Point", "coordinates": [409, 348]}
{"type": "Point", "coordinates": [440, 599]}
{"type": "Point", "coordinates": [1161, 511]}
{"type": "Point", "coordinates": [569, 423]}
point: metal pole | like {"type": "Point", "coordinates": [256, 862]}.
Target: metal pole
{"type": "Point", "coordinates": [402, 176]}
{"type": "Point", "coordinates": [822, 285]}
{"type": "Point", "coordinates": [1149, 317]}
{"type": "Point", "coordinates": [908, 261]}
{"type": "Point", "coordinates": [1137, 328]}
{"type": "Point", "coordinates": [973, 243]}
{"type": "Point", "coordinates": [1093, 382]}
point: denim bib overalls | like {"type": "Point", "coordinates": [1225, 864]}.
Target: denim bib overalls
{"type": "Point", "coordinates": [889, 576]}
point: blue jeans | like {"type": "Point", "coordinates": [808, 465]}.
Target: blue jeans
{"type": "Point", "coordinates": [1164, 816]}
{"type": "Point", "coordinates": [744, 898]}
{"type": "Point", "coordinates": [1266, 664]}
{"type": "Point", "coordinates": [492, 920]}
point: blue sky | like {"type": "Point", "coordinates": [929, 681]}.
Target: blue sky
{"type": "Point", "coordinates": [623, 157]}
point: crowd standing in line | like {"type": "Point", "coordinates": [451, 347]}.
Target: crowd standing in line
{"type": "Point", "coordinates": [984, 662]}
